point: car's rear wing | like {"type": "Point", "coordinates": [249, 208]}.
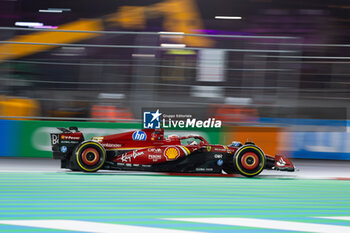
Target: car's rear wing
{"type": "Point", "coordinates": [63, 143]}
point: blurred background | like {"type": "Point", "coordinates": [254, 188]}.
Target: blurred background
{"type": "Point", "coordinates": [275, 72]}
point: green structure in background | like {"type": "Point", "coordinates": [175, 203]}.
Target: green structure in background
{"type": "Point", "coordinates": [32, 138]}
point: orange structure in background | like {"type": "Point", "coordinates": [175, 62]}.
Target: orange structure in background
{"type": "Point", "coordinates": [268, 138]}
{"type": "Point", "coordinates": [18, 107]}
{"type": "Point", "coordinates": [228, 113]}
{"type": "Point", "coordinates": [111, 113]}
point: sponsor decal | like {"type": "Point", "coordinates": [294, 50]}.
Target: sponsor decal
{"type": "Point", "coordinates": [139, 136]}
{"type": "Point", "coordinates": [69, 142]}
{"type": "Point", "coordinates": [68, 137]}
{"type": "Point", "coordinates": [126, 158]}
{"type": "Point", "coordinates": [155, 158]}
{"type": "Point", "coordinates": [202, 169]}
{"type": "Point", "coordinates": [97, 139]}
{"type": "Point", "coordinates": [39, 140]}
{"type": "Point", "coordinates": [129, 157]}
{"type": "Point", "coordinates": [110, 145]}
{"type": "Point", "coordinates": [54, 139]}
{"type": "Point", "coordinates": [220, 149]}
{"type": "Point", "coordinates": [218, 156]}
{"type": "Point", "coordinates": [220, 162]}
{"type": "Point", "coordinates": [208, 148]}
{"type": "Point", "coordinates": [100, 140]}
{"type": "Point", "coordinates": [63, 149]}
{"type": "Point", "coordinates": [135, 154]}
{"type": "Point", "coordinates": [151, 120]}
{"type": "Point", "coordinates": [171, 153]}
{"type": "Point", "coordinates": [155, 150]}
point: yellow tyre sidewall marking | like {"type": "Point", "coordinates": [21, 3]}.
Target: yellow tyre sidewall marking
{"type": "Point", "coordinates": [103, 155]}
{"type": "Point", "coordinates": [250, 174]}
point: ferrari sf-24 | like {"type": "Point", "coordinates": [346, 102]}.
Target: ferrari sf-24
{"type": "Point", "coordinates": [151, 150]}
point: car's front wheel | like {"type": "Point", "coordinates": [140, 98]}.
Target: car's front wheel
{"type": "Point", "coordinates": [89, 156]}
{"type": "Point", "coordinates": [249, 160]}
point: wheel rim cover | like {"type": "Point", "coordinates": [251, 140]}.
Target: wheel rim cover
{"type": "Point", "coordinates": [247, 157]}
{"type": "Point", "coordinates": [88, 161]}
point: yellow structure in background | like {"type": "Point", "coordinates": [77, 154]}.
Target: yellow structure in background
{"type": "Point", "coordinates": [179, 16]}
{"type": "Point", "coordinates": [18, 107]}
{"type": "Point", "coordinates": [13, 51]}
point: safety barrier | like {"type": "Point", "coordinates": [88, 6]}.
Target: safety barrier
{"type": "Point", "coordinates": [31, 138]}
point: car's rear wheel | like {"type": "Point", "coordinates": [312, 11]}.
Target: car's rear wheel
{"type": "Point", "coordinates": [249, 160]}
{"type": "Point", "coordinates": [89, 156]}
{"type": "Point", "coordinates": [72, 164]}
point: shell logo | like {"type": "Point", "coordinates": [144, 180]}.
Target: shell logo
{"type": "Point", "coordinates": [171, 153]}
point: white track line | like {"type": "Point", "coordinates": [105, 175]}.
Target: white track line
{"type": "Point", "coordinates": [85, 226]}
{"type": "Point", "coordinates": [345, 218]}
{"type": "Point", "coordinates": [270, 224]}
{"type": "Point", "coordinates": [267, 175]}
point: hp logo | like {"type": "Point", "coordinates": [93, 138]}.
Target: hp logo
{"type": "Point", "coordinates": [139, 136]}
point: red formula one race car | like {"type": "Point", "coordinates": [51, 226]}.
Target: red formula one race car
{"type": "Point", "coordinates": [150, 150]}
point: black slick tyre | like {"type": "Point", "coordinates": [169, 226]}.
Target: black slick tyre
{"type": "Point", "coordinates": [72, 164]}
{"type": "Point", "coordinates": [89, 156]}
{"type": "Point", "coordinates": [249, 160]}
{"type": "Point", "coordinates": [228, 165]}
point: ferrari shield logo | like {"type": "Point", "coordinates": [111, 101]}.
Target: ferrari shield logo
{"type": "Point", "coordinates": [208, 148]}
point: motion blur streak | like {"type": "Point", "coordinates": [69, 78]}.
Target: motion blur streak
{"type": "Point", "coordinates": [18, 50]}
{"type": "Point", "coordinates": [278, 75]}
{"type": "Point", "coordinates": [128, 17]}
